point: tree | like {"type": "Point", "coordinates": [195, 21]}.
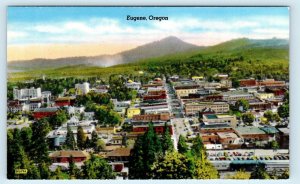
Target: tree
{"type": "Point", "coordinates": [97, 168]}
{"type": "Point", "coordinates": [94, 139]}
{"type": "Point", "coordinates": [205, 170]}
{"type": "Point", "coordinates": [274, 144]}
{"type": "Point", "coordinates": [146, 151]}
{"type": "Point", "coordinates": [136, 162]}
{"type": "Point", "coordinates": [151, 148]}
{"type": "Point", "coordinates": [80, 138]}
{"type": "Point", "coordinates": [283, 110]}
{"type": "Point", "coordinates": [70, 140]}
{"type": "Point", "coordinates": [259, 173]}
{"type": "Point", "coordinates": [240, 175]}
{"type": "Point", "coordinates": [271, 116]}
{"type": "Point", "coordinates": [57, 174]}
{"type": "Point", "coordinates": [72, 167]}
{"type": "Point", "coordinates": [248, 118]}
{"type": "Point", "coordinates": [58, 119]}
{"type": "Point", "coordinates": [241, 105]}
{"type": "Point", "coordinates": [40, 147]}
{"type": "Point", "coordinates": [44, 170]}
{"type": "Point", "coordinates": [172, 166]}
{"type": "Point", "coordinates": [100, 145]}
{"type": "Point", "coordinates": [198, 148]}
{"type": "Point", "coordinates": [26, 136]}
{"type": "Point", "coordinates": [87, 143]}
{"type": "Point", "coordinates": [285, 175]}
{"type": "Point", "coordinates": [182, 146]}
{"type": "Point", "coordinates": [167, 143]}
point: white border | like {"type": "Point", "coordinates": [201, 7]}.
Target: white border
{"type": "Point", "coordinates": [294, 78]}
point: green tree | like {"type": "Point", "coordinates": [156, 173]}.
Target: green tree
{"type": "Point", "coordinates": [40, 146]}
{"type": "Point", "coordinates": [248, 118]}
{"type": "Point", "coordinates": [274, 144]}
{"type": "Point", "coordinates": [182, 146]}
{"type": "Point", "coordinates": [152, 149]}
{"type": "Point", "coordinates": [240, 175]}
{"type": "Point", "coordinates": [57, 174]}
{"type": "Point", "coordinates": [100, 145]}
{"type": "Point", "coordinates": [242, 105]}
{"type": "Point", "coordinates": [283, 110]}
{"type": "Point", "coordinates": [260, 173]}
{"type": "Point", "coordinates": [197, 148]}
{"type": "Point", "coordinates": [285, 175]}
{"type": "Point", "coordinates": [80, 138]}
{"type": "Point", "coordinates": [87, 143]}
{"type": "Point", "coordinates": [271, 116]}
{"type": "Point", "coordinates": [167, 143]}
{"type": "Point", "coordinates": [205, 170]}
{"type": "Point", "coordinates": [172, 166]}
{"type": "Point", "coordinates": [72, 167]}
{"type": "Point", "coordinates": [94, 139]}
{"type": "Point", "coordinates": [58, 119]}
{"type": "Point", "coordinates": [70, 140]}
{"type": "Point", "coordinates": [97, 168]}
{"type": "Point", "coordinates": [44, 170]}
{"type": "Point", "coordinates": [136, 162]}
{"type": "Point", "coordinates": [26, 136]}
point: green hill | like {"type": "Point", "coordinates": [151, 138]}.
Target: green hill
{"type": "Point", "coordinates": [240, 58]}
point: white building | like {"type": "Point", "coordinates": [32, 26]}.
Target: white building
{"type": "Point", "coordinates": [83, 88]}
{"type": "Point", "coordinates": [133, 85]}
{"type": "Point", "coordinates": [26, 93]}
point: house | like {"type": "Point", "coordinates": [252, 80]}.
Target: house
{"type": "Point", "coordinates": [64, 156]}
{"type": "Point", "coordinates": [119, 159]}
{"type": "Point", "coordinates": [119, 155]}
{"type": "Point", "coordinates": [44, 112]}
{"type": "Point", "coordinates": [65, 101]}
{"type": "Point", "coordinates": [133, 111]}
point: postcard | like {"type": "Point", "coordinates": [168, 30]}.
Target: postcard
{"type": "Point", "coordinates": [147, 92]}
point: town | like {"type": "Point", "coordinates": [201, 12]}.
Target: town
{"type": "Point", "coordinates": [96, 129]}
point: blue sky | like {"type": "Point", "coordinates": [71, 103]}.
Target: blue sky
{"type": "Point", "coordinates": [53, 32]}
{"type": "Point", "coordinates": [197, 25]}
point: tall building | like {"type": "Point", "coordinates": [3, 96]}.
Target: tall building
{"type": "Point", "coordinates": [26, 93]}
{"type": "Point", "coordinates": [82, 89]}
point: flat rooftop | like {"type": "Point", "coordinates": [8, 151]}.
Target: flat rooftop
{"type": "Point", "coordinates": [227, 135]}
{"type": "Point", "coordinates": [249, 130]}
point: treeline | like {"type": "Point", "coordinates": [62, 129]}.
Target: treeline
{"type": "Point", "coordinates": [236, 67]}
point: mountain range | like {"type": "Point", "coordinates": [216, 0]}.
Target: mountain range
{"type": "Point", "coordinates": [165, 47]}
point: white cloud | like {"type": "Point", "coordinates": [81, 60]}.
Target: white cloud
{"type": "Point", "coordinates": [11, 35]}
{"type": "Point", "coordinates": [194, 30]}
